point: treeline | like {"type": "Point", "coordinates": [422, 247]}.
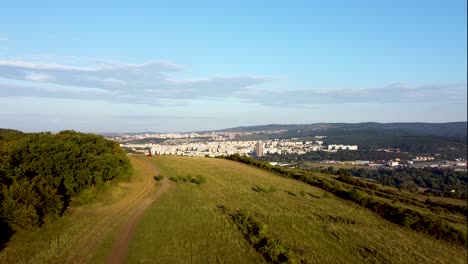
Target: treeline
{"type": "Point", "coordinates": [443, 181]}
{"type": "Point", "coordinates": [41, 172]}
{"type": "Point", "coordinates": [372, 189]}
{"type": "Point", "coordinates": [341, 155]}
{"type": "Point", "coordinates": [403, 216]}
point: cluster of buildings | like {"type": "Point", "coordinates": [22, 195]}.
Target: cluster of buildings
{"type": "Point", "coordinates": [423, 158]}
{"type": "Point", "coordinates": [216, 136]}
{"type": "Point", "coordinates": [342, 147]}
{"type": "Point", "coordinates": [212, 148]}
{"type": "Point", "coordinates": [458, 164]}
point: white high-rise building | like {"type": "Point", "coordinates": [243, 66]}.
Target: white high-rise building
{"type": "Point", "coordinates": [259, 149]}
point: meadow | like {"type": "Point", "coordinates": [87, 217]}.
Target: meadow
{"type": "Point", "coordinates": [189, 224]}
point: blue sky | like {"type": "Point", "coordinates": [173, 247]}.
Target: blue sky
{"type": "Point", "coordinates": [101, 66]}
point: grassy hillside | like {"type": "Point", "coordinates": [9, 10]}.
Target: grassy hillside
{"type": "Point", "coordinates": [194, 223]}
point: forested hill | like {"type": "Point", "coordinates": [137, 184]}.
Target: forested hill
{"type": "Point", "coordinates": [41, 172]}
{"type": "Point", "coordinates": [451, 129]}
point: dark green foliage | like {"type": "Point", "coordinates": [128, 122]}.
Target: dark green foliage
{"type": "Point", "coordinates": [441, 180]}
{"type": "Point", "coordinates": [409, 218]}
{"type": "Point", "coordinates": [174, 179]}
{"type": "Point", "coordinates": [257, 234]}
{"type": "Point", "coordinates": [198, 180]}
{"type": "Point", "coordinates": [188, 178]}
{"type": "Point", "coordinates": [41, 172]}
{"type": "Point", "coordinates": [461, 209]}
{"type": "Point", "coordinates": [341, 155]}
{"type": "Point", "coordinates": [158, 178]}
{"type": "Point", "coordinates": [397, 197]}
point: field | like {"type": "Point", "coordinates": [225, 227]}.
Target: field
{"type": "Point", "coordinates": [186, 224]}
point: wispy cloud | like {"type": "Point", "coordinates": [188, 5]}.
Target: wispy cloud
{"type": "Point", "coordinates": [156, 83]}
{"type": "Point", "coordinates": [137, 83]}
{"type": "Point", "coordinates": [393, 93]}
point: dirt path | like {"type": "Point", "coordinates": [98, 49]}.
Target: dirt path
{"type": "Point", "coordinates": [120, 247]}
{"type": "Point", "coordinates": [123, 215]}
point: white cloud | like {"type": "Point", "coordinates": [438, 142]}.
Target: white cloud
{"type": "Point", "coordinates": [38, 77]}
{"type": "Point", "coordinates": [393, 93]}
{"type": "Point", "coordinates": [148, 83]}
{"type": "Point", "coordinates": [136, 83]}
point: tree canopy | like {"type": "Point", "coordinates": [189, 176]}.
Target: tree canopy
{"type": "Point", "coordinates": [41, 172]}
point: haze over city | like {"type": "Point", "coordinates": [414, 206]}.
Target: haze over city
{"type": "Point", "coordinates": [198, 65]}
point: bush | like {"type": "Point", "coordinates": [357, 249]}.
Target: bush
{"type": "Point", "coordinates": [256, 233]}
{"type": "Point", "coordinates": [198, 180]}
{"type": "Point", "coordinates": [174, 179]}
{"type": "Point", "coordinates": [158, 178]}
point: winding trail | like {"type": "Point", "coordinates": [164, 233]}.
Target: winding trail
{"type": "Point", "coordinates": [120, 247]}
{"type": "Point", "coordinates": [123, 215]}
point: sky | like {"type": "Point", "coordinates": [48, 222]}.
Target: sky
{"type": "Point", "coordinates": [173, 66]}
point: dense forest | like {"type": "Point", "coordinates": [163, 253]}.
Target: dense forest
{"type": "Point", "coordinates": [41, 172]}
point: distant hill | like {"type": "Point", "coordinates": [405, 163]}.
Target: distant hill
{"type": "Point", "coordinates": [452, 129]}
{"type": "Point", "coordinates": [7, 130]}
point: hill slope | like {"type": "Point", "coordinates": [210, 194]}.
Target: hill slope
{"type": "Point", "coordinates": [196, 223]}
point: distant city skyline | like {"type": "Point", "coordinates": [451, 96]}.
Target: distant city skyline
{"type": "Point", "coordinates": [204, 65]}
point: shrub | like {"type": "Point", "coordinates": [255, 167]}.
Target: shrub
{"type": "Point", "coordinates": [257, 234]}
{"type": "Point", "coordinates": [158, 178]}
{"type": "Point", "coordinates": [189, 177]}
{"type": "Point", "coordinates": [198, 180]}
{"type": "Point", "coordinates": [174, 179]}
